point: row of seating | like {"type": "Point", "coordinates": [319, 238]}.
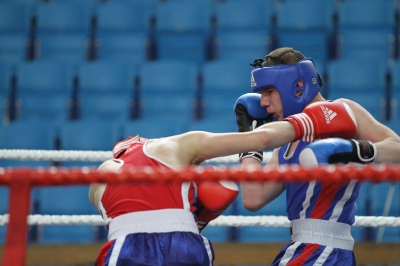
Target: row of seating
{"type": "Point", "coordinates": [143, 30]}
{"type": "Point", "coordinates": [57, 92]}
{"type": "Point", "coordinates": [72, 200]}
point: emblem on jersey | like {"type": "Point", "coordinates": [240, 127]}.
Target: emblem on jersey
{"type": "Point", "coordinates": [328, 113]}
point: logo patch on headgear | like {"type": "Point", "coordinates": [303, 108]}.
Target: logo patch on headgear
{"type": "Point", "coordinates": [252, 81]}
{"type": "Point", "coordinates": [314, 81]}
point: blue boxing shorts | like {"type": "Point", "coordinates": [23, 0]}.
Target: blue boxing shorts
{"type": "Point", "coordinates": [305, 254]}
{"type": "Point", "coordinates": [172, 248]}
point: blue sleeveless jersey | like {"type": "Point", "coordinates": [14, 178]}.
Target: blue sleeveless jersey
{"type": "Point", "coordinates": [332, 201]}
{"type": "Point", "coordinates": [314, 201]}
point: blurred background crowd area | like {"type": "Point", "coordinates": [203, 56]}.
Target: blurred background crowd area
{"type": "Point", "coordinates": [83, 74]}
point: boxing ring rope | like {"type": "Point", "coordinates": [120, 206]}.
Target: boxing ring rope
{"type": "Point", "coordinates": [21, 180]}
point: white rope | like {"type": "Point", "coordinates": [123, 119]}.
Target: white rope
{"type": "Point", "coordinates": [230, 220]}
{"type": "Point", "coordinates": [86, 156]}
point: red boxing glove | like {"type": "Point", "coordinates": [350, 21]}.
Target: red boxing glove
{"type": "Point", "coordinates": [214, 197]}
{"type": "Point", "coordinates": [323, 120]}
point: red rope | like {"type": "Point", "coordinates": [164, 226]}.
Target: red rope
{"type": "Point", "coordinates": [69, 176]}
{"type": "Point", "coordinates": [21, 180]}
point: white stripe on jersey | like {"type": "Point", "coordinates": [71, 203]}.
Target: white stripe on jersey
{"type": "Point", "coordinates": [324, 255]}
{"type": "Point", "coordinates": [116, 250]}
{"type": "Point", "coordinates": [185, 195]}
{"type": "Point", "coordinates": [338, 209]}
{"type": "Point", "coordinates": [306, 202]}
{"type": "Point", "coordinates": [289, 254]}
{"type": "Point", "coordinates": [125, 144]}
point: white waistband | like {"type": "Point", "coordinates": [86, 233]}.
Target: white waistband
{"type": "Point", "coordinates": [322, 232]}
{"type": "Point", "coordinates": [157, 221]}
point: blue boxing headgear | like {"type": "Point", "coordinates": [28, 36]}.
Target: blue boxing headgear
{"type": "Point", "coordinates": [285, 78]}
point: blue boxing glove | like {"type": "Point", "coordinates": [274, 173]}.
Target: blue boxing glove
{"type": "Point", "coordinates": [337, 150]}
{"type": "Point", "coordinates": [250, 115]}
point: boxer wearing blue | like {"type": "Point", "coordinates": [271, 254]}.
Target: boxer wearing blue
{"type": "Point", "coordinates": [321, 214]}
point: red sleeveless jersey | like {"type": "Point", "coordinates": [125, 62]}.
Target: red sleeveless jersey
{"type": "Point", "coordinates": [119, 199]}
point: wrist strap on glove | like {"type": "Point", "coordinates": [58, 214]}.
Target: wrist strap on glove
{"type": "Point", "coordinates": [258, 155]}
{"type": "Point", "coordinates": [364, 151]}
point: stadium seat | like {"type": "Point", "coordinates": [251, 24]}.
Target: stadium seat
{"type": "Point", "coordinates": [223, 82]}
{"type": "Point", "coordinates": [239, 15]}
{"type": "Point", "coordinates": [182, 35]}
{"type": "Point", "coordinates": [306, 26]}
{"type": "Point", "coordinates": [395, 90]}
{"type": "Point", "coordinates": [361, 80]}
{"type": "Point", "coordinates": [147, 129]}
{"type": "Point", "coordinates": [65, 200]}
{"type": "Point", "coordinates": [368, 33]}
{"type": "Point", "coordinates": [56, 18]}
{"type": "Point", "coordinates": [15, 17]}
{"type": "Point", "coordinates": [6, 86]}
{"type": "Point", "coordinates": [248, 35]}
{"type": "Point", "coordinates": [44, 90]}
{"type": "Point", "coordinates": [124, 16]}
{"type": "Point", "coordinates": [129, 47]}
{"type": "Point", "coordinates": [89, 135]}
{"type": "Point", "coordinates": [68, 47]}
{"type": "Point", "coordinates": [242, 45]}
{"type": "Point", "coordinates": [27, 135]}
{"type": "Point", "coordinates": [168, 89]}
{"type": "Point", "coordinates": [13, 47]}
{"type": "Point", "coordinates": [62, 17]}
{"type": "Point", "coordinates": [105, 89]}
{"type": "Point", "coordinates": [219, 124]}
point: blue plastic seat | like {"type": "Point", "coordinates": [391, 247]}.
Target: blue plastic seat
{"type": "Point", "coordinates": [375, 14]}
{"type": "Point", "coordinates": [44, 90]}
{"type": "Point", "coordinates": [130, 47]}
{"type": "Point", "coordinates": [395, 89]}
{"type": "Point", "coordinates": [89, 135]}
{"type": "Point", "coordinates": [27, 135]}
{"type": "Point", "coordinates": [223, 82]}
{"type": "Point", "coordinates": [13, 47]}
{"type": "Point", "coordinates": [242, 45]}
{"type": "Point", "coordinates": [147, 129]}
{"type": "Point", "coordinates": [57, 18]}
{"type": "Point", "coordinates": [65, 200]}
{"type": "Point", "coordinates": [105, 89]}
{"type": "Point", "coordinates": [239, 15]}
{"type": "Point", "coordinates": [6, 86]}
{"type": "Point", "coordinates": [183, 35]}
{"type": "Point", "coordinates": [168, 89]}
{"type": "Point", "coordinates": [219, 124]}
{"type": "Point", "coordinates": [68, 47]}
{"type": "Point", "coordinates": [369, 33]}
{"type": "Point", "coordinates": [62, 17]}
{"type": "Point", "coordinates": [366, 43]}
{"type": "Point", "coordinates": [15, 17]}
{"type": "Point", "coordinates": [124, 16]}
{"type": "Point", "coordinates": [306, 26]}
{"type": "Point", "coordinates": [361, 80]}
